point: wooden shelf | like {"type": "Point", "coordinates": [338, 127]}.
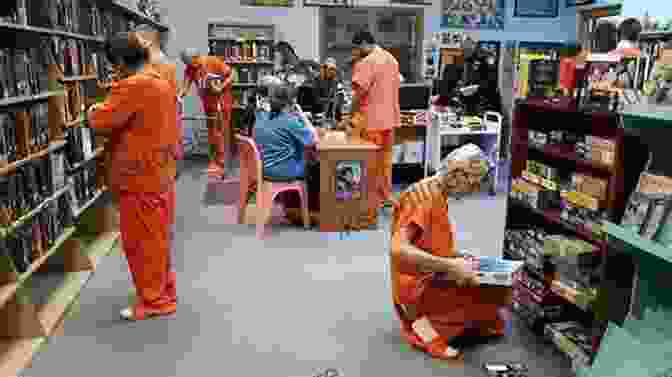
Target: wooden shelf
{"type": "Point", "coordinates": [89, 203]}
{"type": "Point", "coordinates": [52, 312]}
{"type": "Point", "coordinates": [137, 16]}
{"type": "Point", "coordinates": [34, 211]}
{"type": "Point", "coordinates": [12, 101]}
{"type": "Point", "coordinates": [553, 216]}
{"type": "Point", "coordinates": [571, 295]}
{"type": "Point", "coordinates": [46, 31]}
{"type": "Point", "coordinates": [636, 243]}
{"type": "Point", "coordinates": [96, 154]}
{"type": "Point", "coordinates": [79, 78]}
{"type": "Point", "coordinates": [8, 290]}
{"type": "Point", "coordinates": [16, 354]}
{"type": "Point", "coordinates": [53, 146]}
{"type": "Point", "coordinates": [99, 247]}
{"type": "Point", "coordinates": [559, 153]}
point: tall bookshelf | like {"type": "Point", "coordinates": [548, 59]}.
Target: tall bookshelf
{"type": "Point", "coordinates": [55, 225]}
{"type": "Point", "coordinates": [248, 49]}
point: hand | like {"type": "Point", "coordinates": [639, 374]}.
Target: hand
{"type": "Point", "coordinates": [464, 275]}
{"type": "Point", "coordinates": [94, 107]}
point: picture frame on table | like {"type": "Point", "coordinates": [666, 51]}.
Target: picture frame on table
{"type": "Point", "coordinates": [536, 8]}
{"type": "Point", "coordinates": [348, 180]}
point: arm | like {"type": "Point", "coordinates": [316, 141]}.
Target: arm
{"type": "Point", "coordinates": [362, 78]}
{"type": "Point", "coordinates": [121, 104]}
{"type": "Point", "coordinates": [301, 133]}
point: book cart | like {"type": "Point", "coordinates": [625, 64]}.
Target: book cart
{"type": "Point", "coordinates": [56, 222]}
{"type": "Point", "coordinates": [569, 174]}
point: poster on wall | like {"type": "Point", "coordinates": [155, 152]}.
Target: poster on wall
{"type": "Point", "coordinates": [536, 8]}
{"type": "Point", "coordinates": [348, 180]}
{"type": "Point", "coordinates": [326, 3]}
{"type": "Point", "coordinates": [267, 3]}
{"type": "Point", "coordinates": [472, 14]}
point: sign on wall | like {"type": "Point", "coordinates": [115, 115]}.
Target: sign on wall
{"type": "Point", "coordinates": [267, 3]}
{"type": "Point", "coordinates": [326, 3]}
{"type": "Point", "coordinates": [472, 14]}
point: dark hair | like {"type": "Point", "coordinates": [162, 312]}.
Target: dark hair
{"type": "Point", "coordinates": [630, 29]}
{"type": "Point", "coordinates": [287, 52]}
{"type": "Point", "coordinates": [126, 48]}
{"type": "Point", "coordinates": [280, 96]}
{"type": "Point", "coordinates": [363, 37]}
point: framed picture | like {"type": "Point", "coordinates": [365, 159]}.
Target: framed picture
{"type": "Point", "coordinates": [348, 180]}
{"type": "Point", "coordinates": [326, 3]}
{"type": "Point", "coordinates": [536, 8]}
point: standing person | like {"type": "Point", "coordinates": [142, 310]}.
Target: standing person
{"type": "Point", "coordinates": [214, 79]}
{"type": "Point", "coordinates": [375, 109]}
{"type": "Point", "coordinates": [139, 118]}
{"type": "Point", "coordinates": [155, 42]}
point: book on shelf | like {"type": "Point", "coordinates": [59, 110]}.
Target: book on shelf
{"type": "Point", "coordinates": [649, 209]}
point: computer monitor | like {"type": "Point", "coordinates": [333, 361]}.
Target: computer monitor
{"type": "Point", "coordinates": [414, 96]}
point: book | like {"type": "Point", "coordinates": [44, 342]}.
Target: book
{"type": "Point", "coordinates": [492, 271]}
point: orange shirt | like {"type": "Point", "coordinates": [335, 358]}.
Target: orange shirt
{"type": "Point", "coordinates": [376, 82]}
{"type": "Point", "coordinates": [140, 113]}
{"type": "Point", "coordinates": [166, 71]}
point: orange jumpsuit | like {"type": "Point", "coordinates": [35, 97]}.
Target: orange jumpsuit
{"type": "Point", "coordinates": [450, 309]}
{"type": "Point", "coordinates": [219, 135]}
{"type": "Point", "coordinates": [139, 115]}
{"type": "Point", "coordinates": [376, 81]}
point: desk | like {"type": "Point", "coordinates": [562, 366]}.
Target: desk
{"type": "Point", "coordinates": [345, 167]}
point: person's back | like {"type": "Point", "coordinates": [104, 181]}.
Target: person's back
{"type": "Point", "coordinates": [381, 104]}
{"type": "Point", "coordinates": [282, 140]}
{"type": "Point", "coordinates": [144, 153]}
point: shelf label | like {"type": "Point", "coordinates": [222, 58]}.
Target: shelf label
{"type": "Point", "coordinates": [581, 200]}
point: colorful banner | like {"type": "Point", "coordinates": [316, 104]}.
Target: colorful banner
{"type": "Point", "coordinates": [473, 14]}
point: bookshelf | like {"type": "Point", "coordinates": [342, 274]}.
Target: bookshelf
{"type": "Point", "coordinates": [569, 175]}
{"type": "Point", "coordinates": [55, 224]}
{"type": "Point", "coordinates": [248, 49]}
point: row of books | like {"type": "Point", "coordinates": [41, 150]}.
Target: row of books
{"type": "Point", "coordinates": [75, 57]}
{"type": "Point", "coordinates": [38, 133]}
{"type": "Point", "coordinates": [248, 51]}
{"type": "Point", "coordinates": [81, 144]}
{"type": "Point", "coordinates": [76, 16]}
{"type": "Point", "coordinates": [23, 72]}
{"type": "Point", "coordinates": [251, 74]}
{"type": "Point", "coordinates": [25, 188]}
{"type": "Point", "coordinates": [85, 185]}
{"type": "Point", "coordinates": [35, 237]}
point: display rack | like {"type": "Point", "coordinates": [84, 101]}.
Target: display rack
{"type": "Point", "coordinates": [568, 175]}
{"type": "Point", "coordinates": [54, 222]}
{"type": "Point", "coordinates": [648, 306]}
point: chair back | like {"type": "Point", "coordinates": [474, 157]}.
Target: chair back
{"type": "Point", "coordinates": [251, 164]}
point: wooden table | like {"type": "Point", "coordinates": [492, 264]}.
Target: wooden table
{"type": "Point", "coordinates": [344, 202]}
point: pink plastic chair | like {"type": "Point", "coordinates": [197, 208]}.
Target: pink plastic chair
{"type": "Point", "coordinates": [252, 178]}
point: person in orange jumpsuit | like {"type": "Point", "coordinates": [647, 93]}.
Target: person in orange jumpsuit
{"type": "Point", "coordinates": [433, 311]}
{"type": "Point", "coordinates": [214, 79]}
{"type": "Point", "coordinates": [138, 116]}
{"type": "Point", "coordinates": [376, 113]}
{"type": "Point", "coordinates": [155, 43]}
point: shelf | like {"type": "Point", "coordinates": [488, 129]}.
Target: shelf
{"type": "Point", "coordinates": [134, 13]}
{"type": "Point", "coordinates": [27, 99]}
{"type": "Point", "coordinates": [33, 212]}
{"type": "Point", "coordinates": [100, 246]}
{"type": "Point", "coordinates": [244, 84]}
{"type": "Point", "coordinates": [16, 354]}
{"type": "Point", "coordinates": [560, 153]}
{"type": "Point", "coordinates": [52, 312]}
{"type": "Point", "coordinates": [9, 289]}
{"type": "Point", "coordinates": [79, 78]}
{"type": "Point", "coordinates": [96, 154]}
{"type": "Point", "coordinates": [637, 243]}
{"type": "Point", "coordinates": [46, 31]}
{"type": "Point", "coordinates": [88, 204]}
{"type": "Point", "coordinates": [53, 146]}
{"type": "Point", "coordinates": [571, 295]}
{"type": "Point", "coordinates": [553, 216]}
{"type": "Point", "coordinates": [247, 62]}
{"type": "Point", "coordinates": [649, 35]}
{"type": "Point", "coordinates": [647, 116]}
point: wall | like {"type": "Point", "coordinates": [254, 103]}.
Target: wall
{"type": "Point", "coordinates": [655, 8]}
{"type": "Point", "coordinates": [559, 29]}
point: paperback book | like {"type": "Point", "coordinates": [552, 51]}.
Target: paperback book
{"type": "Point", "coordinates": [492, 270]}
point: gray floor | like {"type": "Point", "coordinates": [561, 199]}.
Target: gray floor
{"type": "Point", "coordinates": [289, 306]}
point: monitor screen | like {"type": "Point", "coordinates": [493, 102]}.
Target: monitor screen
{"type": "Point", "coordinates": [414, 96]}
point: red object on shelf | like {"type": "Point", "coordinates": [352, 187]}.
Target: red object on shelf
{"type": "Point", "coordinates": [568, 76]}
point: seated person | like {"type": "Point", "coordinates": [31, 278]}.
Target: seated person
{"type": "Point", "coordinates": [435, 311]}
{"type": "Point", "coordinates": [282, 136]}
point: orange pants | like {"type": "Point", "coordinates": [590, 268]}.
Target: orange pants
{"type": "Point", "coordinates": [220, 135]}
{"type": "Point", "coordinates": [145, 222]}
{"type": "Point", "coordinates": [382, 169]}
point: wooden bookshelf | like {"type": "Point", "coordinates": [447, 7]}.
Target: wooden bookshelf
{"type": "Point", "coordinates": [26, 321]}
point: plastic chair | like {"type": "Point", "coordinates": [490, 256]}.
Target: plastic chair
{"type": "Point", "coordinates": [251, 178]}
